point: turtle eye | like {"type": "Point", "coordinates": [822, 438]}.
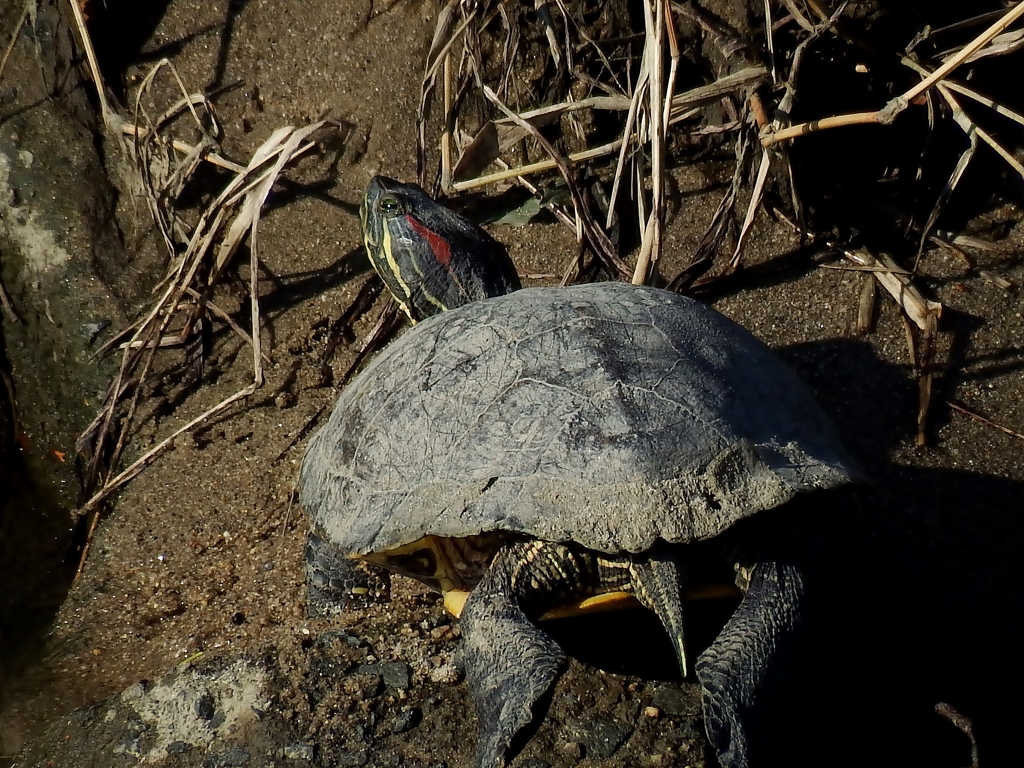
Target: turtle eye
{"type": "Point", "coordinates": [389, 206]}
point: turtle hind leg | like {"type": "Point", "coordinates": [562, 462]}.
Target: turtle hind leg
{"type": "Point", "coordinates": [335, 582]}
{"type": "Point", "coordinates": [510, 663]}
{"type": "Point", "coordinates": [737, 664]}
{"type": "Point", "coordinates": [657, 579]}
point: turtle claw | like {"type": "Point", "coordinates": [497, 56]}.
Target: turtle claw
{"type": "Point", "coordinates": [658, 579]}
{"type": "Point", "coordinates": [733, 669]}
{"type": "Point", "coordinates": [510, 664]}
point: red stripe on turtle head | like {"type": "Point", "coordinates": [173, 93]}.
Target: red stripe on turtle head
{"type": "Point", "coordinates": [442, 251]}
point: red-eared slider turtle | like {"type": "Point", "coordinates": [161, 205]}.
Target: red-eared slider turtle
{"type": "Point", "coordinates": [548, 447]}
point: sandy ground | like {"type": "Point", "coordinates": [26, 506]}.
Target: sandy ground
{"type": "Point", "coordinates": [203, 551]}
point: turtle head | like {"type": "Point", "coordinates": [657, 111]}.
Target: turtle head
{"type": "Point", "coordinates": [430, 258]}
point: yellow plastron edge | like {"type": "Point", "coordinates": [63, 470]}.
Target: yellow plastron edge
{"type": "Point", "coordinates": [455, 601]}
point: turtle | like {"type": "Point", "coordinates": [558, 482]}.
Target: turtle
{"type": "Point", "coordinates": [557, 450]}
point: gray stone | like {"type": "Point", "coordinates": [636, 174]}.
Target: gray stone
{"type": "Point", "coordinates": [406, 720]}
{"type": "Point", "coordinates": [204, 707]}
{"type": "Point", "coordinates": [600, 738]}
{"type": "Point", "coordinates": [345, 759]}
{"type": "Point", "coordinates": [297, 752]}
{"type": "Point", "coordinates": [229, 758]}
{"type": "Point", "coordinates": [395, 674]}
{"type": "Point", "coordinates": [677, 703]}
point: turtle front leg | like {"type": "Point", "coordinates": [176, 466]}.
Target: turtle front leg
{"type": "Point", "coordinates": [736, 665]}
{"type": "Point", "coordinates": [510, 663]}
{"type": "Point", "coordinates": [334, 581]}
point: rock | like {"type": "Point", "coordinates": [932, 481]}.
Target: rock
{"type": "Point", "coordinates": [600, 738]}
{"type": "Point", "coordinates": [362, 757]}
{"type": "Point", "coordinates": [677, 703]}
{"type": "Point", "coordinates": [395, 674]}
{"type": "Point", "coordinates": [572, 750]}
{"type": "Point", "coordinates": [407, 719]}
{"type": "Point", "coordinates": [446, 673]}
{"type": "Point", "coordinates": [204, 707]}
{"type": "Point", "coordinates": [229, 758]}
{"type": "Point", "coordinates": [218, 712]}
{"type": "Point", "coordinates": [298, 752]}
{"type": "Point", "coordinates": [331, 636]}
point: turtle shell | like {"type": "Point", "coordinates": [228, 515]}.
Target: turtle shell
{"type": "Point", "coordinates": [608, 414]}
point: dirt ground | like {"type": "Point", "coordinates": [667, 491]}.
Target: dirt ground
{"type": "Point", "coordinates": [202, 553]}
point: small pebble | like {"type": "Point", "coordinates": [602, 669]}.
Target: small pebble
{"type": "Point", "coordinates": [406, 720]}
{"type": "Point", "coordinates": [297, 752]}
{"type": "Point", "coordinates": [600, 738]}
{"type": "Point", "coordinates": [571, 749]}
{"type": "Point", "coordinates": [229, 758]}
{"type": "Point", "coordinates": [446, 673]}
{"type": "Point", "coordinates": [204, 707]}
{"type": "Point", "coordinates": [362, 757]}
{"type": "Point", "coordinates": [676, 703]}
{"type": "Point", "coordinates": [394, 673]}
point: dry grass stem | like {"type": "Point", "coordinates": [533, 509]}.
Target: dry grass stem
{"type": "Point", "coordinates": [110, 117]}
{"type": "Point", "coordinates": [5, 301]}
{"type": "Point", "coordinates": [650, 244]}
{"type": "Point", "coordinates": [921, 319]}
{"type": "Point", "coordinates": [702, 95]}
{"type": "Point", "coordinates": [446, 34]}
{"type": "Point", "coordinates": [1000, 45]}
{"type": "Point", "coordinates": [796, 13]}
{"type": "Point", "coordinates": [770, 34]}
{"type": "Point", "coordinates": [972, 130]}
{"type": "Point", "coordinates": [866, 306]}
{"type": "Point", "coordinates": [572, 223]}
{"type": "Point", "coordinates": [14, 35]}
{"type": "Point", "coordinates": [533, 168]}
{"type": "Point", "coordinates": [977, 417]}
{"type": "Point", "coordinates": [995, 106]}
{"type": "Point", "coordinates": [946, 193]}
{"type": "Point", "coordinates": [863, 268]}
{"type": "Point", "coordinates": [923, 312]}
{"type": "Point", "coordinates": [756, 197]}
{"type": "Point", "coordinates": [997, 280]}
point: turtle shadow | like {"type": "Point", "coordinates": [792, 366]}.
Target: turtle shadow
{"type": "Point", "coordinates": [911, 605]}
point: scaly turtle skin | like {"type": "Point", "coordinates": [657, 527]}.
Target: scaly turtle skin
{"type": "Point", "coordinates": [558, 447]}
